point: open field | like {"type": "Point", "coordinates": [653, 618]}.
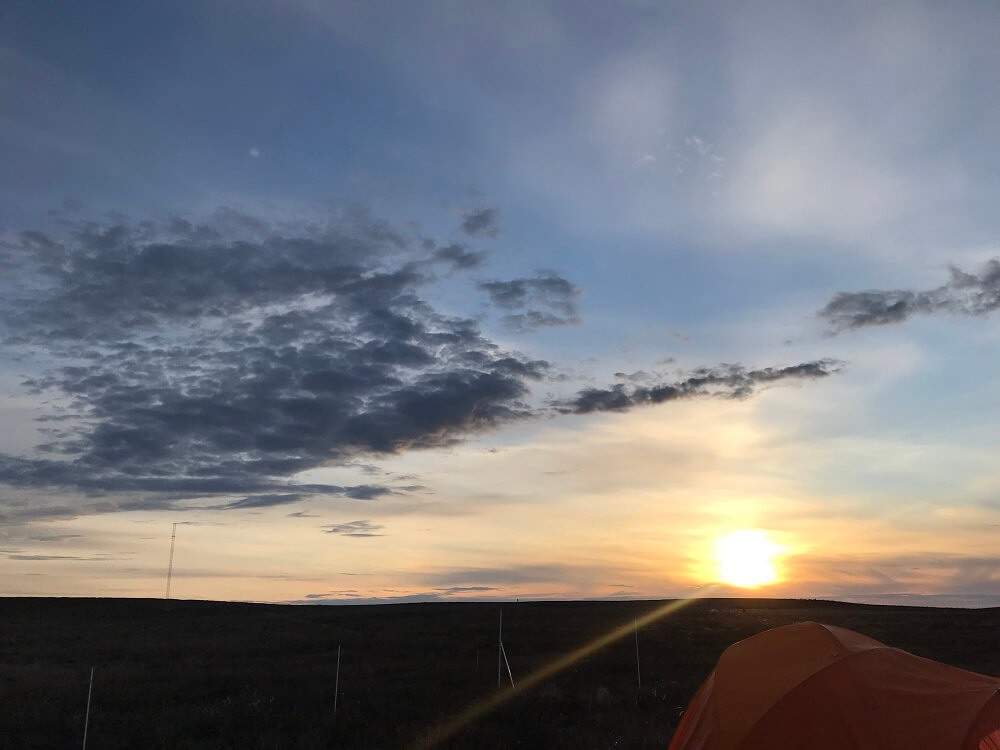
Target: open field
{"type": "Point", "coordinates": [228, 675]}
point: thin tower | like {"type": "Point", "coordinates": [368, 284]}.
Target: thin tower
{"type": "Point", "coordinates": [170, 565]}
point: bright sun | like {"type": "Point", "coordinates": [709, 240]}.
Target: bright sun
{"type": "Point", "coordinates": [745, 558]}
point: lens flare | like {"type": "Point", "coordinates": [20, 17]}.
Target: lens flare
{"type": "Point", "coordinates": [450, 727]}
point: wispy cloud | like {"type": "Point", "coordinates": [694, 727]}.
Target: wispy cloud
{"type": "Point", "coordinates": [459, 257]}
{"type": "Point", "coordinates": [964, 293]}
{"type": "Point", "coordinates": [555, 295]}
{"type": "Point", "coordinates": [355, 528]}
{"type": "Point", "coordinates": [723, 381]}
{"type": "Point", "coordinates": [482, 222]}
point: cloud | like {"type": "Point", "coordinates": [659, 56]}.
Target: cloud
{"type": "Point", "coordinates": [49, 558]}
{"type": "Point", "coordinates": [509, 576]}
{"type": "Point", "coordinates": [223, 357]}
{"type": "Point", "coordinates": [265, 500]}
{"type": "Point", "coordinates": [55, 537]}
{"type": "Point", "coordinates": [355, 528]}
{"type": "Point", "coordinates": [481, 223]}
{"type": "Point", "coordinates": [523, 296]}
{"type": "Point", "coordinates": [187, 360]}
{"type": "Point", "coordinates": [460, 257]}
{"type": "Point", "coordinates": [963, 294]}
{"type": "Point", "coordinates": [723, 381]}
{"type": "Point", "coordinates": [357, 492]}
{"type": "Point", "coordinates": [466, 589]}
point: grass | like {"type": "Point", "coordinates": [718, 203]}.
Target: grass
{"type": "Point", "coordinates": [229, 675]}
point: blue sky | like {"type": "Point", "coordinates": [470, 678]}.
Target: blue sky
{"type": "Point", "coordinates": [701, 181]}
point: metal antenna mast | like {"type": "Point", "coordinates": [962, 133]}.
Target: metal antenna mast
{"type": "Point", "coordinates": [170, 565]}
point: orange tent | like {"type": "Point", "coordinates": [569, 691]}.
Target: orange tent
{"type": "Point", "coordinates": [819, 687]}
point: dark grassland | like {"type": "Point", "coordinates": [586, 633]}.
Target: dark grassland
{"type": "Point", "coordinates": [226, 675]}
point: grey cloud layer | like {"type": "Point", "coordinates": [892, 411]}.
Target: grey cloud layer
{"type": "Point", "coordinates": [963, 294]}
{"type": "Point", "coordinates": [221, 358]}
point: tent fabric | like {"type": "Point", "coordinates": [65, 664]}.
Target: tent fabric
{"type": "Point", "coordinates": [820, 687]}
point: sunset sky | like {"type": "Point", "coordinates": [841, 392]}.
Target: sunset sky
{"type": "Point", "coordinates": [391, 301]}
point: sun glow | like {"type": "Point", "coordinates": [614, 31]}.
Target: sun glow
{"type": "Point", "coordinates": [745, 558]}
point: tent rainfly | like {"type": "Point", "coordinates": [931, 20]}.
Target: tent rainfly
{"type": "Point", "coordinates": [820, 687]}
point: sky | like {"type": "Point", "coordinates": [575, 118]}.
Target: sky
{"type": "Point", "coordinates": [447, 300]}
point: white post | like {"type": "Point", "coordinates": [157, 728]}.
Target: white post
{"type": "Point", "coordinates": [638, 674]}
{"type": "Point", "coordinates": [86, 721]}
{"type": "Point", "coordinates": [500, 651]}
{"type": "Point", "coordinates": [336, 684]}
{"type": "Point", "coordinates": [509, 673]}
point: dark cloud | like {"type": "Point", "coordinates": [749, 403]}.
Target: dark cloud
{"type": "Point", "coordinates": [49, 558]}
{"type": "Point", "coordinates": [640, 376]}
{"type": "Point", "coordinates": [524, 297]}
{"type": "Point", "coordinates": [508, 576]}
{"type": "Point", "coordinates": [459, 257]}
{"type": "Point", "coordinates": [218, 359]}
{"type": "Point", "coordinates": [355, 528]}
{"type": "Point", "coordinates": [367, 491]}
{"type": "Point", "coordinates": [226, 356]}
{"type": "Point", "coordinates": [963, 294]}
{"type": "Point", "coordinates": [482, 222]}
{"type": "Point", "coordinates": [54, 537]}
{"type": "Point", "coordinates": [724, 381]}
{"type": "Point", "coordinates": [265, 500]}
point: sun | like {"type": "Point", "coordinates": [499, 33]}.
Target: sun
{"type": "Point", "coordinates": [745, 558]}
